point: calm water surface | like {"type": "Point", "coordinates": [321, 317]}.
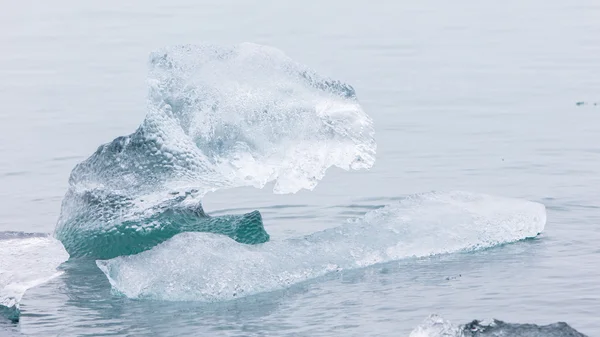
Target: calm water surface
{"type": "Point", "coordinates": [472, 96]}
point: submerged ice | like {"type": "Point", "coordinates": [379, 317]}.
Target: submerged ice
{"type": "Point", "coordinates": [208, 267]}
{"type": "Point", "coordinates": [26, 260]}
{"type": "Point", "coordinates": [436, 326]}
{"type": "Point", "coordinates": [217, 117]}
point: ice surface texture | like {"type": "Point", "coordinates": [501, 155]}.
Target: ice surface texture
{"type": "Point", "coordinates": [435, 326]}
{"type": "Point", "coordinates": [26, 260]}
{"type": "Point", "coordinates": [208, 267]}
{"type": "Point", "coordinates": [217, 117]}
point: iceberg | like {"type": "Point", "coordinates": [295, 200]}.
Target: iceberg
{"type": "Point", "coordinates": [217, 117]}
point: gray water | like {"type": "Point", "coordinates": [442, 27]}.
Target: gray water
{"type": "Point", "coordinates": [472, 96]}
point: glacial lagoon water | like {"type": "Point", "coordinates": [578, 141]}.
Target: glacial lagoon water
{"type": "Point", "coordinates": [472, 97]}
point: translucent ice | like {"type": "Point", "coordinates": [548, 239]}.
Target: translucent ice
{"type": "Point", "coordinates": [26, 260]}
{"type": "Point", "coordinates": [205, 267]}
{"type": "Point", "coordinates": [217, 117]}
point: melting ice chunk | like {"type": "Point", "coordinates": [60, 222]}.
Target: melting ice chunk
{"type": "Point", "coordinates": [204, 267]}
{"type": "Point", "coordinates": [26, 261]}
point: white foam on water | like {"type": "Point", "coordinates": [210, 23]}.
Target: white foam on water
{"type": "Point", "coordinates": [209, 267]}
